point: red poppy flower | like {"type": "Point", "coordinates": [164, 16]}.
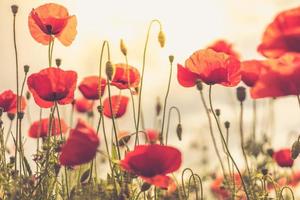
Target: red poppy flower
{"type": "Point", "coordinates": [8, 102]}
{"type": "Point", "coordinates": [89, 87]}
{"type": "Point", "coordinates": [152, 136]}
{"type": "Point", "coordinates": [152, 163]}
{"type": "Point", "coordinates": [83, 105]}
{"type": "Point", "coordinates": [251, 70]}
{"type": "Point", "coordinates": [81, 146]}
{"type": "Point", "coordinates": [295, 179]}
{"type": "Point", "coordinates": [280, 78]}
{"type": "Point", "coordinates": [211, 67]}
{"type": "Point", "coordinates": [125, 76]}
{"type": "Point", "coordinates": [282, 35]}
{"type": "Point", "coordinates": [52, 84]}
{"type": "Point", "coordinates": [52, 20]}
{"type": "Point", "coordinates": [119, 106]}
{"type": "Point", "coordinates": [283, 158]}
{"type": "Point", "coordinates": [225, 47]}
{"type": "Point", "coordinates": [41, 128]}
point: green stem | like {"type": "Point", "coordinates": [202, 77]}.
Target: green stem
{"type": "Point", "coordinates": [223, 140]}
{"type": "Point", "coordinates": [142, 77]}
{"type": "Point", "coordinates": [169, 118]}
{"type": "Point", "coordinates": [254, 119]}
{"type": "Point", "coordinates": [165, 103]}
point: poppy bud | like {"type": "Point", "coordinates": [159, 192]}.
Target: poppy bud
{"type": "Point", "coordinates": [161, 38]}
{"type": "Point", "coordinates": [123, 138]}
{"type": "Point", "coordinates": [123, 47]}
{"type": "Point", "coordinates": [11, 116]}
{"type": "Point", "coordinates": [241, 93]}
{"type": "Point", "coordinates": [199, 85]}
{"type": "Point", "coordinates": [158, 106]}
{"type": "Point", "coordinates": [171, 58]}
{"type": "Point", "coordinates": [28, 95]}
{"type": "Point", "coordinates": [58, 62]}
{"type": "Point", "coordinates": [100, 109]}
{"type": "Point", "coordinates": [179, 131]}
{"type": "Point", "coordinates": [20, 115]}
{"type": "Point", "coordinates": [295, 149]}
{"type": "Point", "coordinates": [145, 186]}
{"type": "Point", "coordinates": [264, 171]}
{"type": "Point", "coordinates": [109, 70]}
{"type": "Point", "coordinates": [1, 111]}
{"type": "Point", "coordinates": [26, 69]}
{"type": "Point", "coordinates": [218, 112]}
{"type": "Point", "coordinates": [14, 9]}
{"type": "Point", "coordinates": [270, 152]}
{"type": "Point", "coordinates": [227, 124]}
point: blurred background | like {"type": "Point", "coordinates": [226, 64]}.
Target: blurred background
{"type": "Point", "coordinates": [189, 25]}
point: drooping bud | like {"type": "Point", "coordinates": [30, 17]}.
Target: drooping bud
{"type": "Point", "coordinates": [227, 124]}
{"type": "Point", "coordinates": [123, 47]}
{"type": "Point", "coordinates": [241, 93]}
{"type": "Point", "coordinates": [14, 9]}
{"type": "Point", "coordinates": [171, 58]}
{"type": "Point", "coordinates": [26, 69]}
{"type": "Point", "coordinates": [295, 149]}
{"type": "Point", "coordinates": [58, 62]}
{"type": "Point", "coordinates": [161, 38]}
{"type": "Point", "coordinates": [123, 138]}
{"type": "Point", "coordinates": [179, 131]}
{"type": "Point", "coordinates": [109, 70]}
{"type": "Point", "coordinates": [218, 112]}
{"type": "Point", "coordinates": [199, 85]}
{"type": "Point", "coordinates": [145, 186]}
{"type": "Point", "coordinates": [158, 106]}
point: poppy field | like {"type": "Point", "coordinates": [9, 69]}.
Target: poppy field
{"type": "Point", "coordinates": [79, 148]}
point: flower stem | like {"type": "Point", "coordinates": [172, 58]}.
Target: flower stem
{"type": "Point", "coordinates": [169, 118]}
{"type": "Point", "coordinates": [165, 103]}
{"type": "Point", "coordinates": [226, 147]}
{"type": "Point", "coordinates": [142, 78]}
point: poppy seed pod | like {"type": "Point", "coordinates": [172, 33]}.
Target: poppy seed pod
{"type": "Point", "coordinates": [20, 115]}
{"type": "Point", "coordinates": [241, 93]}
{"type": "Point", "coordinates": [218, 112]}
{"type": "Point", "coordinates": [161, 38]}
{"type": "Point", "coordinates": [171, 58]}
{"type": "Point", "coordinates": [26, 69]}
{"type": "Point", "coordinates": [11, 116]}
{"type": "Point", "coordinates": [14, 9]}
{"type": "Point", "coordinates": [227, 124]}
{"type": "Point", "coordinates": [295, 149]}
{"type": "Point", "coordinates": [109, 70]}
{"type": "Point", "coordinates": [199, 85]}
{"type": "Point", "coordinates": [123, 47]}
{"type": "Point", "coordinates": [58, 62]}
{"type": "Point", "coordinates": [179, 131]}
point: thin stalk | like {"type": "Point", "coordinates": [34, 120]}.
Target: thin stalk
{"type": "Point", "coordinates": [254, 119]}
{"type": "Point", "coordinates": [223, 140]}
{"type": "Point", "coordinates": [169, 118]}
{"type": "Point", "coordinates": [165, 103]}
{"type": "Point", "coordinates": [142, 76]}
{"type": "Point", "coordinates": [212, 132]}
{"type": "Point", "coordinates": [8, 133]}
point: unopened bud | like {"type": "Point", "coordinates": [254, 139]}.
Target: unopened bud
{"type": "Point", "coordinates": [179, 131]}
{"type": "Point", "coordinates": [218, 112]}
{"type": "Point", "coordinates": [14, 9]}
{"type": "Point", "coordinates": [28, 95]}
{"type": "Point", "coordinates": [145, 186]}
{"type": "Point", "coordinates": [241, 93]}
{"type": "Point", "coordinates": [123, 47]}
{"type": "Point", "coordinates": [264, 171]}
{"type": "Point", "coordinates": [123, 138]}
{"type": "Point", "coordinates": [161, 38]}
{"type": "Point", "coordinates": [158, 106]}
{"type": "Point", "coordinates": [270, 152]}
{"type": "Point", "coordinates": [199, 85]}
{"type": "Point", "coordinates": [109, 70]}
{"type": "Point", "coordinates": [171, 58]}
{"type": "Point", "coordinates": [1, 111]}
{"type": "Point", "coordinates": [227, 124]}
{"type": "Point", "coordinates": [295, 149]}
{"type": "Point", "coordinates": [58, 62]}
{"type": "Point", "coordinates": [100, 109]}
{"type": "Point", "coordinates": [11, 116]}
{"type": "Point", "coordinates": [26, 69]}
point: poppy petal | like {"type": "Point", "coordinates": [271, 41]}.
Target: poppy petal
{"type": "Point", "coordinates": [119, 106]}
